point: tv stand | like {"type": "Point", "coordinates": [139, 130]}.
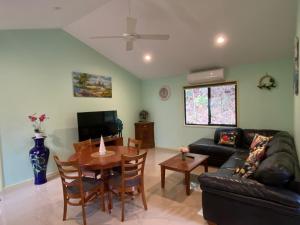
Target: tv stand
{"type": "Point", "coordinates": [114, 140]}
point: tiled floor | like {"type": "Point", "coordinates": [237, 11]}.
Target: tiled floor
{"type": "Point", "coordinates": [43, 205]}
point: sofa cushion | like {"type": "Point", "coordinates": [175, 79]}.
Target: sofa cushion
{"type": "Point", "coordinates": [207, 146]}
{"type": "Point", "coordinates": [252, 162]}
{"type": "Point", "coordinates": [218, 153]}
{"type": "Point", "coordinates": [248, 135]}
{"type": "Point", "coordinates": [236, 160]}
{"type": "Point", "coordinates": [226, 183]}
{"type": "Point", "coordinates": [259, 141]}
{"type": "Point", "coordinates": [228, 138]}
{"type": "Point", "coordinates": [276, 170]}
{"type": "Point", "coordinates": [238, 131]}
{"type": "Point", "coordinates": [282, 142]}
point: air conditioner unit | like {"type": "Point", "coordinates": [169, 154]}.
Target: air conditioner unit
{"type": "Point", "coordinates": [208, 76]}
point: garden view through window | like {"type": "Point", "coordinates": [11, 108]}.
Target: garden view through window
{"type": "Point", "coordinates": [213, 105]}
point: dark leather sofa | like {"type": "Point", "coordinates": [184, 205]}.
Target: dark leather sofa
{"type": "Point", "coordinates": [270, 197]}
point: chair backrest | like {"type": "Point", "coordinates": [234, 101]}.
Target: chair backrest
{"type": "Point", "coordinates": [71, 177]}
{"type": "Point", "coordinates": [83, 144]}
{"type": "Point", "coordinates": [135, 143]}
{"type": "Point", "coordinates": [133, 169]}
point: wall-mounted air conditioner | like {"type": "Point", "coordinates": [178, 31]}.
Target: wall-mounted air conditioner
{"type": "Point", "coordinates": [208, 76]}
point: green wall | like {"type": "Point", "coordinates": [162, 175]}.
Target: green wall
{"type": "Point", "coordinates": [256, 108]}
{"type": "Point", "coordinates": [297, 98]}
{"type": "Point", "coordinates": [35, 74]}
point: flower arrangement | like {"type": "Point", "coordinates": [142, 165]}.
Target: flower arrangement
{"type": "Point", "coordinates": [37, 122]}
{"type": "Point", "coordinates": [184, 151]}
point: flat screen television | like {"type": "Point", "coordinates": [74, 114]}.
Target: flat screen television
{"type": "Point", "coordinates": [94, 124]}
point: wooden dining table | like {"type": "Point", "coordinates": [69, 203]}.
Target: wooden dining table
{"type": "Point", "coordinates": [88, 159]}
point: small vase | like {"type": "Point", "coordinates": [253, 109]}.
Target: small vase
{"type": "Point", "coordinates": [38, 135]}
{"type": "Point", "coordinates": [183, 156]}
{"type": "Point", "coordinates": [39, 156]}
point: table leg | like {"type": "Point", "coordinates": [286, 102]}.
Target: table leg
{"type": "Point", "coordinates": [206, 166]}
{"type": "Point", "coordinates": [187, 183]}
{"type": "Point", "coordinates": [163, 172]}
{"type": "Point", "coordinates": [105, 176]}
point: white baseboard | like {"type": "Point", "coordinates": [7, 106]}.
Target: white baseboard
{"type": "Point", "coordinates": [27, 182]}
{"type": "Point", "coordinates": [164, 148]}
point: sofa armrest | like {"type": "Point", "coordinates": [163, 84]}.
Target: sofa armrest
{"type": "Point", "coordinates": [248, 187]}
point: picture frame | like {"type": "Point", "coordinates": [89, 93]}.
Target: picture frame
{"type": "Point", "coordinates": [90, 85]}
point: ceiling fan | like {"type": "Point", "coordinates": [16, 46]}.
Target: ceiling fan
{"type": "Point", "coordinates": [130, 36]}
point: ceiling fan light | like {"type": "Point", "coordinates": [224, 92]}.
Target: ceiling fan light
{"type": "Point", "coordinates": [220, 40]}
{"type": "Point", "coordinates": [147, 58]}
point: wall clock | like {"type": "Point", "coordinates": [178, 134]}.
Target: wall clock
{"type": "Point", "coordinates": [164, 93]}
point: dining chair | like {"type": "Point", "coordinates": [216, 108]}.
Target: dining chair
{"type": "Point", "coordinates": [79, 146]}
{"type": "Point", "coordinates": [132, 176]}
{"type": "Point", "coordinates": [77, 189]}
{"type": "Point", "coordinates": [135, 143]}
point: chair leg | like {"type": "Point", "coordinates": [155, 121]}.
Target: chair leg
{"type": "Point", "coordinates": [123, 204]}
{"type": "Point", "coordinates": [110, 205]}
{"type": "Point", "coordinates": [83, 215]}
{"type": "Point", "coordinates": [65, 210]}
{"type": "Point", "coordinates": [143, 196]}
{"type": "Point", "coordinates": [102, 201]}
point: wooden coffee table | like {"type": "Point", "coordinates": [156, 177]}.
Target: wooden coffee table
{"type": "Point", "coordinates": [183, 166]}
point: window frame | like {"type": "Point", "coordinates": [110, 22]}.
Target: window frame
{"type": "Point", "coordinates": [209, 106]}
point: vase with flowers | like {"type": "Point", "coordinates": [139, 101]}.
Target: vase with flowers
{"type": "Point", "coordinates": [184, 151]}
{"type": "Point", "coordinates": [39, 154]}
{"type": "Point", "coordinates": [37, 122]}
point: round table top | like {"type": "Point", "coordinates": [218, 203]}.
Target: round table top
{"type": "Point", "coordinates": [87, 161]}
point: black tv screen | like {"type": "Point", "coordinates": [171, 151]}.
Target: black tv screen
{"type": "Point", "coordinates": [94, 124]}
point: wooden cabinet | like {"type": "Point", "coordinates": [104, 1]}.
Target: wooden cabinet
{"type": "Point", "coordinates": [145, 131]}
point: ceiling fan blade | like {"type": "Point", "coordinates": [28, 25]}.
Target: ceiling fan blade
{"type": "Point", "coordinates": [131, 25]}
{"type": "Point", "coordinates": [103, 37]}
{"type": "Point", "coordinates": [129, 45]}
{"type": "Point", "coordinates": [153, 36]}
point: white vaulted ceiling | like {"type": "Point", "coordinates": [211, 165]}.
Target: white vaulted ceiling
{"type": "Point", "coordinates": [28, 14]}
{"type": "Point", "coordinates": [257, 30]}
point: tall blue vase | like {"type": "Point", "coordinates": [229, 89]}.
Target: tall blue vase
{"type": "Point", "coordinates": [39, 156]}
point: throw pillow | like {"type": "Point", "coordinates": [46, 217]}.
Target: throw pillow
{"type": "Point", "coordinates": [257, 153]}
{"type": "Point", "coordinates": [228, 138]}
{"type": "Point", "coordinates": [259, 141]}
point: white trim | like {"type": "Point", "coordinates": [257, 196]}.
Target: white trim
{"type": "Point", "coordinates": [169, 149]}
{"type": "Point", "coordinates": [28, 181]}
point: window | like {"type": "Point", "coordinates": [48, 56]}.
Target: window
{"type": "Point", "coordinates": [212, 105]}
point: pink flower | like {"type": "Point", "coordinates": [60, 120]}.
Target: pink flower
{"type": "Point", "coordinates": [42, 117]}
{"type": "Point", "coordinates": [32, 118]}
{"type": "Point", "coordinates": [37, 121]}
{"type": "Point", "coordinates": [184, 149]}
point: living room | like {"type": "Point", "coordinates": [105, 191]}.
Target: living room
{"type": "Point", "coordinates": [45, 43]}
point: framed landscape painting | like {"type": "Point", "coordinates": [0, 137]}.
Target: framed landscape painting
{"type": "Point", "coordinates": [89, 85]}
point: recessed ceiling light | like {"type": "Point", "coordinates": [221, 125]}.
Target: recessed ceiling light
{"type": "Point", "coordinates": [220, 40]}
{"type": "Point", "coordinates": [147, 58]}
